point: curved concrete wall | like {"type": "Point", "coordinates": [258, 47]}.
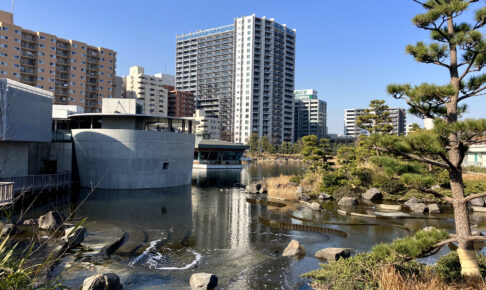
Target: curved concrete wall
{"type": "Point", "coordinates": [131, 159]}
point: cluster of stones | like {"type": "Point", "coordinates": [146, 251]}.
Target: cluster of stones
{"type": "Point", "coordinates": [296, 249]}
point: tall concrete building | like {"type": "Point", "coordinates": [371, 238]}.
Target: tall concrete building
{"type": "Point", "coordinates": [244, 74]}
{"type": "Point", "coordinates": [310, 115]}
{"type": "Point", "coordinates": [398, 116]}
{"type": "Point", "coordinates": [148, 89]}
{"type": "Point", "coordinates": [77, 73]}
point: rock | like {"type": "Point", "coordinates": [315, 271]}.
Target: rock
{"type": "Point", "coordinates": [348, 201]}
{"type": "Point", "coordinates": [411, 202]}
{"type": "Point", "coordinates": [74, 236]}
{"type": "Point", "coordinates": [419, 208]}
{"type": "Point", "coordinates": [315, 206]}
{"type": "Point", "coordinates": [435, 187]}
{"type": "Point", "coordinates": [30, 222]}
{"type": "Point", "coordinates": [50, 221]}
{"type": "Point", "coordinates": [389, 206]}
{"type": "Point", "coordinates": [305, 197]}
{"type": "Point", "coordinates": [299, 191]}
{"type": "Point", "coordinates": [342, 212]}
{"type": "Point", "coordinates": [293, 184]}
{"type": "Point", "coordinates": [429, 228]}
{"type": "Point", "coordinates": [324, 195]}
{"type": "Point", "coordinates": [333, 254]}
{"type": "Point", "coordinates": [477, 201]}
{"type": "Point", "coordinates": [109, 281]}
{"type": "Point", "coordinates": [254, 187]}
{"type": "Point", "coordinates": [263, 188]}
{"type": "Point", "coordinates": [433, 208]}
{"type": "Point", "coordinates": [8, 229]}
{"type": "Point", "coordinates": [203, 281]}
{"type": "Point", "coordinates": [294, 248]}
{"type": "Point", "coordinates": [372, 194]}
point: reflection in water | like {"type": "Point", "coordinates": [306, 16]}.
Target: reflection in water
{"type": "Point", "coordinates": [219, 232]}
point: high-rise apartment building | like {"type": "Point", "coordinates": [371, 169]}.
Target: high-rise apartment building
{"type": "Point", "coordinates": [397, 115]}
{"type": "Point", "coordinates": [77, 73]}
{"type": "Point", "coordinates": [180, 104]}
{"type": "Point", "coordinates": [310, 115]}
{"type": "Point", "coordinates": [244, 74]}
{"type": "Point", "coordinates": [148, 89]}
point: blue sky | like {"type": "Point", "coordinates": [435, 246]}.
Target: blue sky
{"type": "Point", "coordinates": [348, 50]}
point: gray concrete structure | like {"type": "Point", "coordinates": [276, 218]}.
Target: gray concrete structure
{"type": "Point", "coordinates": [133, 151]}
{"type": "Point", "coordinates": [26, 112]}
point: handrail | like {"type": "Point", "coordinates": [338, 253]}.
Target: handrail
{"type": "Point", "coordinates": [38, 182]}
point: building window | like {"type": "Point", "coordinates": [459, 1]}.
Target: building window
{"type": "Point", "coordinates": [165, 165]}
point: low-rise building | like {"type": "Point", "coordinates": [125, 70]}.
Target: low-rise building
{"type": "Point", "coordinates": [181, 104]}
{"type": "Point", "coordinates": [122, 106]}
{"type": "Point", "coordinates": [209, 126]}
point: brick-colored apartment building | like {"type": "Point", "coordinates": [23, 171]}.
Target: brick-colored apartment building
{"type": "Point", "coordinates": [181, 104]}
{"type": "Point", "coordinates": [77, 73]}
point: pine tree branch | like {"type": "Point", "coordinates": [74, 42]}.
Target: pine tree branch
{"type": "Point", "coordinates": [414, 157]}
{"type": "Point", "coordinates": [445, 242]}
{"type": "Point", "coordinates": [423, 4]}
{"type": "Point", "coordinates": [472, 94]}
{"type": "Point", "coordinates": [471, 63]}
{"type": "Point", "coordinates": [476, 238]}
{"type": "Point", "coordinates": [473, 196]}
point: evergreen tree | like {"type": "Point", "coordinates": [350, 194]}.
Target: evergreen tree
{"type": "Point", "coordinates": [376, 118]}
{"type": "Point", "coordinates": [254, 143]}
{"type": "Point", "coordinates": [267, 146]}
{"type": "Point", "coordinates": [460, 48]}
{"type": "Point", "coordinates": [316, 151]}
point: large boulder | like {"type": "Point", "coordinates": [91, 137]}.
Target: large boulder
{"type": "Point", "coordinates": [433, 208]}
{"type": "Point", "coordinates": [347, 201]}
{"type": "Point", "coordinates": [477, 201]}
{"type": "Point", "coordinates": [324, 195]}
{"type": "Point", "coordinates": [203, 281]}
{"type": "Point", "coordinates": [109, 281]}
{"type": "Point", "coordinates": [372, 194]}
{"type": "Point", "coordinates": [411, 202]}
{"type": "Point", "coordinates": [74, 236]}
{"type": "Point", "coordinates": [50, 221]}
{"type": "Point", "coordinates": [294, 248]}
{"type": "Point", "coordinates": [333, 254]}
{"type": "Point", "coordinates": [8, 229]}
{"type": "Point", "coordinates": [255, 187]}
{"type": "Point", "coordinates": [419, 208]}
{"type": "Point", "coordinates": [315, 206]}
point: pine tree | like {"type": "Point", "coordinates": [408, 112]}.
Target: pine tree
{"type": "Point", "coordinates": [316, 151]}
{"type": "Point", "coordinates": [254, 143]}
{"type": "Point", "coordinates": [459, 48]}
{"type": "Point", "coordinates": [376, 118]}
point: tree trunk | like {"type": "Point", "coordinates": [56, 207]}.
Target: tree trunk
{"type": "Point", "coordinates": [466, 252]}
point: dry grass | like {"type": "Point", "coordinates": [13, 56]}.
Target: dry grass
{"type": "Point", "coordinates": [474, 176]}
{"type": "Point", "coordinates": [279, 187]}
{"type": "Point", "coordinates": [312, 182]}
{"type": "Point", "coordinates": [390, 279]}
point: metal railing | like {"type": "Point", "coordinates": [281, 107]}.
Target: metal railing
{"type": "Point", "coordinates": [6, 191]}
{"type": "Point", "coordinates": [38, 182]}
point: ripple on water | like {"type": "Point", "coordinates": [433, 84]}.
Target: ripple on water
{"type": "Point", "coordinates": [166, 258]}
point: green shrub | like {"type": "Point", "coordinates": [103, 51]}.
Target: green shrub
{"type": "Point", "coordinates": [474, 186]}
{"type": "Point", "coordinates": [474, 169]}
{"type": "Point", "coordinates": [358, 272]}
{"type": "Point", "coordinates": [417, 181]}
{"type": "Point", "coordinates": [296, 178]}
{"type": "Point", "coordinates": [332, 180]}
{"type": "Point", "coordinates": [343, 191]}
{"type": "Point", "coordinates": [388, 184]}
{"type": "Point", "coordinates": [442, 179]}
{"type": "Point", "coordinates": [362, 177]}
{"type": "Point", "coordinates": [448, 267]}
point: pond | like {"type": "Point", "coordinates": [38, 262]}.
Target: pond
{"type": "Point", "coordinates": [169, 234]}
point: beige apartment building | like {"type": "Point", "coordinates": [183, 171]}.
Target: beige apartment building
{"type": "Point", "coordinates": [208, 126]}
{"type": "Point", "coordinates": [148, 89]}
{"type": "Point", "coordinates": [77, 73]}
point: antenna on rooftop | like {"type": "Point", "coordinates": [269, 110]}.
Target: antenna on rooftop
{"type": "Point", "coordinates": [13, 9]}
